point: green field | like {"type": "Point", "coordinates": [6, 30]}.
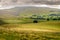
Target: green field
{"type": "Point", "coordinates": [39, 25]}
{"type": "Point", "coordinates": [29, 35]}
{"type": "Point", "coordinates": [28, 32]}
{"type": "Point", "coordinates": [18, 23]}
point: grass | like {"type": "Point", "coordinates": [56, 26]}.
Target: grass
{"type": "Point", "coordinates": [31, 35]}
{"type": "Point", "coordinates": [28, 35]}
{"type": "Point", "coordinates": [52, 24]}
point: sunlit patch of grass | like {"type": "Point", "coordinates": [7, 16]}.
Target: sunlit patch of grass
{"type": "Point", "coordinates": [53, 25]}
{"type": "Point", "coordinates": [43, 25]}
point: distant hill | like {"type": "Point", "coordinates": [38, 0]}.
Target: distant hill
{"type": "Point", "coordinates": [27, 11]}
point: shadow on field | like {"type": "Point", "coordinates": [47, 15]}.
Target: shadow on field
{"type": "Point", "coordinates": [2, 22]}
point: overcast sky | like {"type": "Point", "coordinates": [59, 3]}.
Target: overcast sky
{"type": "Point", "coordinates": [29, 2]}
{"type": "Point", "coordinates": [6, 4]}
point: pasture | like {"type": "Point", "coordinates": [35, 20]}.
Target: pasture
{"type": "Point", "coordinates": [47, 30]}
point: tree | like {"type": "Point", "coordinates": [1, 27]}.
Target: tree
{"type": "Point", "coordinates": [35, 19]}
{"type": "Point", "coordinates": [52, 16]}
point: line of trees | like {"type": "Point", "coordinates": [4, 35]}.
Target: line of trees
{"type": "Point", "coordinates": [46, 17]}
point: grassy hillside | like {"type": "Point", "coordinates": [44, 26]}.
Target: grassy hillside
{"type": "Point", "coordinates": [9, 33]}
{"type": "Point", "coordinates": [14, 32]}
{"type": "Point", "coordinates": [52, 25]}
{"type": "Point", "coordinates": [27, 11]}
{"type": "Point", "coordinates": [23, 30]}
{"type": "Point", "coordinates": [18, 24]}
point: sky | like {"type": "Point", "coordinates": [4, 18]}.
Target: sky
{"type": "Point", "coordinates": [8, 4]}
{"type": "Point", "coordinates": [48, 6]}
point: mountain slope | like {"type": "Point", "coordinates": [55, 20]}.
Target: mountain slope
{"type": "Point", "coordinates": [27, 11]}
